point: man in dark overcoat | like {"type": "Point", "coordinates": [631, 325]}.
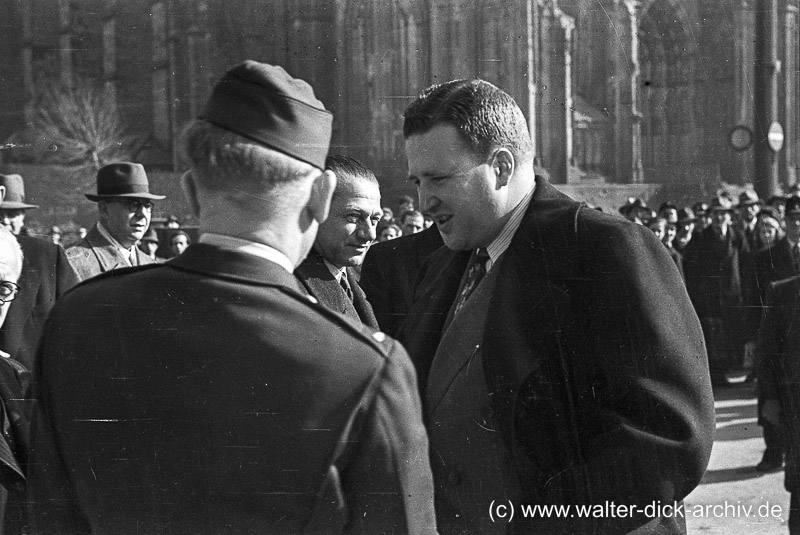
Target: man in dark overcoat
{"type": "Point", "coordinates": [209, 394]}
{"type": "Point", "coordinates": [329, 271]}
{"type": "Point", "coordinates": [46, 275]}
{"type": "Point", "coordinates": [559, 356]}
{"type": "Point", "coordinates": [713, 266]}
{"type": "Point", "coordinates": [778, 352]}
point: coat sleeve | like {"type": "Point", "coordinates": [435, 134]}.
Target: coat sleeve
{"type": "Point", "coordinates": [771, 340]}
{"type": "Point", "coordinates": [385, 479]}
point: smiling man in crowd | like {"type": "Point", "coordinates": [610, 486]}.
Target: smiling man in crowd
{"type": "Point", "coordinates": [125, 204]}
{"type": "Point", "coordinates": [328, 273]}
{"type": "Point", "coordinates": [555, 367]}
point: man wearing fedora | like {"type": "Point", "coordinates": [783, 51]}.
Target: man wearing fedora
{"type": "Point", "coordinates": [46, 275]}
{"type": "Point", "coordinates": [252, 408]}
{"type": "Point", "coordinates": [124, 204]}
{"type": "Point", "coordinates": [712, 265]}
{"type": "Point", "coordinates": [749, 206]}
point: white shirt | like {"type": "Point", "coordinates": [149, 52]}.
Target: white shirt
{"type": "Point", "coordinates": [338, 273]}
{"type": "Point", "coordinates": [127, 254]}
{"type": "Point", "coordinates": [248, 247]}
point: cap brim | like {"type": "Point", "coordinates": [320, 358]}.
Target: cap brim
{"type": "Point", "coordinates": [11, 205]}
{"type": "Point", "coordinates": [150, 196]}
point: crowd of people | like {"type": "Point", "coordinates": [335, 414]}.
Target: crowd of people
{"type": "Point", "coordinates": [311, 364]}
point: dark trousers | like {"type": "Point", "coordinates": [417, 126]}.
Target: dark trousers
{"type": "Point", "coordinates": [794, 514]}
{"type": "Point", "coordinates": [720, 345]}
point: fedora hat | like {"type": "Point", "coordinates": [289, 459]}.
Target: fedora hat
{"type": "Point", "coordinates": [15, 193]}
{"type": "Point", "coordinates": [122, 179]}
{"type": "Point", "coordinates": [748, 197]}
{"type": "Point", "coordinates": [721, 203]}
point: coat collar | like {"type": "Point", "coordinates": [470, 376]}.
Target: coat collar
{"type": "Point", "coordinates": [108, 256]}
{"type": "Point", "coordinates": [236, 266]}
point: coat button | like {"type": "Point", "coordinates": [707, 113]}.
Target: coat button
{"type": "Point", "coordinates": [454, 478]}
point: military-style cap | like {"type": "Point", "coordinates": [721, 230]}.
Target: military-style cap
{"type": "Point", "coordinates": [15, 193]}
{"type": "Point", "coordinates": [793, 205]}
{"type": "Point", "coordinates": [748, 197]}
{"type": "Point", "coordinates": [264, 103]}
{"type": "Point", "coordinates": [122, 179]}
{"type": "Point", "coordinates": [721, 203]}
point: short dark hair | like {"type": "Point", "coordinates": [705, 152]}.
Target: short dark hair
{"type": "Point", "coordinates": [411, 213]}
{"type": "Point", "coordinates": [486, 116]}
{"type": "Point", "coordinates": [348, 170]}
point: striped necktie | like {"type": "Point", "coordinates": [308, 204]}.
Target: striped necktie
{"type": "Point", "coordinates": [346, 286]}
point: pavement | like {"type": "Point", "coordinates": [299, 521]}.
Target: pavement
{"type": "Point", "coordinates": [733, 498]}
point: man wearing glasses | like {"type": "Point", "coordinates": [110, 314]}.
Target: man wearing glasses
{"type": "Point", "coordinates": [124, 204]}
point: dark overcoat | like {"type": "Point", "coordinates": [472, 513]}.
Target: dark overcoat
{"type": "Point", "coordinates": [46, 274]}
{"type": "Point", "coordinates": [210, 395]}
{"type": "Point", "coordinates": [594, 361]}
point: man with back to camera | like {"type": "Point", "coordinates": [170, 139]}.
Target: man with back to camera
{"type": "Point", "coordinates": [124, 205]}
{"type": "Point", "coordinates": [328, 272]}
{"type": "Point", "coordinates": [252, 409]}
{"type": "Point", "coordinates": [556, 369]}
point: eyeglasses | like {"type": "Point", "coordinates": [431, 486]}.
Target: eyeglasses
{"type": "Point", "coordinates": [8, 291]}
{"type": "Point", "coordinates": [133, 205]}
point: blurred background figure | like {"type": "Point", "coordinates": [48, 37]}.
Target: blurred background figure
{"type": "Point", "coordinates": [173, 222]}
{"type": "Point", "coordinates": [55, 235]}
{"type": "Point", "coordinates": [412, 221]}
{"type": "Point", "coordinates": [749, 206]}
{"type": "Point", "coordinates": [668, 211]}
{"type": "Point", "coordinates": [179, 242]}
{"type": "Point", "coordinates": [388, 215]}
{"type": "Point", "coordinates": [685, 227]}
{"type": "Point", "coordinates": [406, 204]}
{"type": "Point", "coordinates": [82, 232]}
{"type": "Point", "coordinates": [14, 207]}
{"type": "Point", "coordinates": [428, 220]}
{"type": "Point", "coordinates": [778, 202]}
{"type": "Point", "coordinates": [390, 232]}
{"type": "Point", "coordinates": [149, 244]}
{"type": "Point", "coordinates": [703, 215]}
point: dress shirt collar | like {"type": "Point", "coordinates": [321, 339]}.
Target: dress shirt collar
{"type": "Point", "coordinates": [248, 247]}
{"type": "Point", "coordinates": [128, 254]}
{"type": "Point", "coordinates": [337, 273]}
{"type": "Point", "coordinates": [503, 240]}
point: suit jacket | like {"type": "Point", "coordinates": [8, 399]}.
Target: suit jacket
{"type": "Point", "coordinates": [46, 274]}
{"type": "Point", "coordinates": [94, 255]}
{"type": "Point", "coordinates": [320, 283]}
{"type": "Point", "coordinates": [217, 398]}
{"type": "Point", "coordinates": [778, 352]}
{"type": "Point", "coordinates": [389, 272]}
{"type": "Point", "coordinates": [594, 362]}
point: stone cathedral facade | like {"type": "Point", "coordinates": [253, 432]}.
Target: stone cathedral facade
{"type": "Point", "coordinates": [623, 96]}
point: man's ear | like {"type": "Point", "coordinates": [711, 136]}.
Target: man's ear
{"type": "Point", "coordinates": [503, 166]}
{"type": "Point", "coordinates": [319, 203]}
{"type": "Point", "coordinates": [189, 187]}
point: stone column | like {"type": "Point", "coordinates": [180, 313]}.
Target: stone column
{"type": "Point", "coordinates": [625, 80]}
{"type": "Point", "coordinates": [555, 104]}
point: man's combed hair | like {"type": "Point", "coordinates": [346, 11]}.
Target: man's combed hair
{"type": "Point", "coordinates": [349, 170]}
{"type": "Point", "coordinates": [486, 116]}
{"type": "Point", "coordinates": [221, 159]}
